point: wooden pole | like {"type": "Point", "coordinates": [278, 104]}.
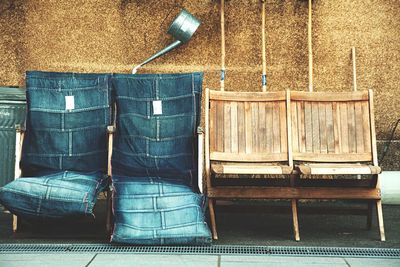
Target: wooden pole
{"type": "Point", "coordinates": [264, 60]}
{"type": "Point", "coordinates": [310, 56]}
{"type": "Point", "coordinates": [222, 45]}
{"type": "Point", "coordinates": [353, 56]}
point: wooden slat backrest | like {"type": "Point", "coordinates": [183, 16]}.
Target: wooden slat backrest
{"type": "Point", "coordinates": [332, 127]}
{"type": "Point", "coordinates": [248, 126]}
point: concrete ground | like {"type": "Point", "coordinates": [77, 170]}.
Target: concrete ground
{"type": "Point", "coordinates": [266, 225]}
{"type": "Point", "coordinates": [92, 260]}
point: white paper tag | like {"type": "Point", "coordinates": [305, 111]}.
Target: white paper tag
{"type": "Point", "coordinates": [157, 107]}
{"type": "Point", "coordinates": [69, 102]}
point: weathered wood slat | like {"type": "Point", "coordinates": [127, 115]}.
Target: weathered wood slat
{"type": "Point", "coordinates": [301, 124]}
{"type": "Point", "coordinates": [308, 126]}
{"type": "Point", "coordinates": [352, 127]}
{"type": "Point", "coordinates": [220, 126]}
{"type": "Point", "coordinates": [276, 128]}
{"type": "Point", "coordinates": [322, 128]}
{"type": "Point", "coordinates": [316, 144]}
{"type": "Point", "coordinates": [344, 127]}
{"type": "Point", "coordinates": [247, 96]}
{"type": "Point", "coordinates": [339, 157]}
{"type": "Point", "coordinates": [241, 128]}
{"type": "Point", "coordinates": [269, 126]}
{"type": "Point", "coordinates": [330, 135]}
{"type": "Point", "coordinates": [234, 128]}
{"type": "Point", "coordinates": [283, 127]}
{"type": "Point", "coordinates": [248, 125]}
{"type": "Point", "coordinates": [246, 168]}
{"type": "Point", "coordinates": [366, 127]}
{"type": "Point", "coordinates": [213, 125]}
{"type": "Point", "coordinates": [221, 156]}
{"type": "Point", "coordinates": [329, 96]}
{"type": "Point", "coordinates": [255, 127]}
{"type": "Point", "coordinates": [295, 128]}
{"type": "Point", "coordinates": [339, 168]}
{"type": "Point", "coordinates": [359, 128]}
{"type": "Point", "coordinates": [227, 127]}
{"type": "Point", "coordinates": [291, 192]}
{"type": "Point", "coordinates": [262, 127]}
{"type": "Point", "coordinates": [336, 127]}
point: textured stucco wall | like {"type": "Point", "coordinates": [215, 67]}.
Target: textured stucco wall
{"type": "Point", "coordinates": [114, 35]}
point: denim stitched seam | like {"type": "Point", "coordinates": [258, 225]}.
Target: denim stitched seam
{"type": "Point", "coordinates": [156, 209]}
{"type": "Point", "coordinates": [166, 156]}
{"type": "Point", "coordinates": [99, 87]}
{"type": "Point", "coordinates": [172, 138]}
{"type": "Point", "coordinates": [47, 155]}
{"type": "Point", "coordinates": [63, 111]}
{"type": "Point", "coordinates": [135, 227]}
{"type": "Point", "coordinates": [42, 185]}
{"type": "Point", "coordinates": [66, 199]}
{"type": "Point", "coordinates": [130, 114]}
{"type": "Point", "coordinates": [140, 99]}
{"type": "Point", "coordinates": [70, 129]}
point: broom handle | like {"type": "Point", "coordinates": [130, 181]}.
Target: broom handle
{"type": "Point", "coordinates": [222, 45]}
{"type": "Point", "coordinates": [264, 60]}
{"type": "Point", "coordinates": [353, 56]}
{"type": "Point", "coordinates": [310, 56]}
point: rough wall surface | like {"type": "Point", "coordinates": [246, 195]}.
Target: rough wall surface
{"type": "Point", "coordinates": [114, 35]}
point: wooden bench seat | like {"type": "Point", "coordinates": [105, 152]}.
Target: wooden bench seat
{"type": "Point", "coordinates": [335, 168]}
{"type": "Point", "coordinates": [250, 168]}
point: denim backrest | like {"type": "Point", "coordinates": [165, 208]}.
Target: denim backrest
{"type": "Point", "coordinates": [157, 118]}
{"type": "Point", "coordinates": [68, 114]}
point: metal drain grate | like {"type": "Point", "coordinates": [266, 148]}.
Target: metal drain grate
{"type": "Point", "coordinates": [209, 250]}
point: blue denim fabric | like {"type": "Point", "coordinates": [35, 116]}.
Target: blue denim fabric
{"type": "Point", "coordinates": [149, 144]}
{"type": "Point", "coordinates": [61, 139]}
{"type": "Point", "coordinates": [53, 196]}
{"type": "Point", "coordinates": [157, 211]}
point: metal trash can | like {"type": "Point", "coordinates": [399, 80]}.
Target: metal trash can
{"type": "Point", "coordinates": [12, 112]}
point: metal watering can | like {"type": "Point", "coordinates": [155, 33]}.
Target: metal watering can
{"type": "Point", "coordinates": [182, 28]}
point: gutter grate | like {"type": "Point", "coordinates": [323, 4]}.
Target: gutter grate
{"type": "Point", "coordinates": [213, 249]}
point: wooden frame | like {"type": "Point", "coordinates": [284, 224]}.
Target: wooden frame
{"type": "Point", "coordinates": [19, 140]}
{"type": "Point", "coordinates": [238, 141]}
{"type": "Point", "coordinates": [110, 133]}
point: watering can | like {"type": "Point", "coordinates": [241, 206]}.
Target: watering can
{"type": "Point", "coordinates": [182, 28]}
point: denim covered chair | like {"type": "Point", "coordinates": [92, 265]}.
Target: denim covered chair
{"type": "Point", "coordinates": [155, 172]}
{"type": "Point", "coordinates": [63, 151]}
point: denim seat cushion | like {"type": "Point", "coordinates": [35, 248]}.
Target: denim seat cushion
{"type": "Point", "coordinates": [68, 114]}
{"type": "Point", "coordinates": [156, 211]}
{"type": "Point", "coordinates": [158, 115]}
{"type": "Point", "coordinates": [53, 196]}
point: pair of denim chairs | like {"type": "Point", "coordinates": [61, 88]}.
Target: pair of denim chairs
{"type": "Point", "coordinates": [154, 153]}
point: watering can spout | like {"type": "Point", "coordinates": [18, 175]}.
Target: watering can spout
{"type": "Point", "coordinates": [182, 28]}
{"type": "Point", "coordinates": [158, 54]}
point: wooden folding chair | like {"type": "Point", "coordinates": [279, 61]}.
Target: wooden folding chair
{"type": "Point", "coordinates": [247, 133]}
{"type": "Point", "coordinates": [334, 134]}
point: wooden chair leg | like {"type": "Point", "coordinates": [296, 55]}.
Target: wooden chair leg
{"type": "Point", "coordinates": [15, 223]}
{"type": "Point", "coordinates": [369, 214]}
{"type": "Point", "coordinates": [295, 220]}
{"type": "Point", "coordinates": [379, 213]}
{"type": "Point", "coordinates": [109, 212]}
{"type": "Point", "coordinates": [211, 204]}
